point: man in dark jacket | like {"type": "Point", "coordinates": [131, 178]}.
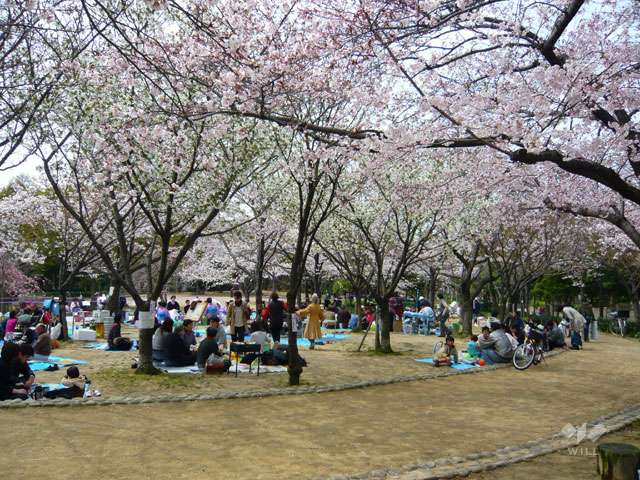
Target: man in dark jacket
{"type": "Point", "coordinates": [208, 346]}
{"type": "Point", "coordinates": [176, 353]}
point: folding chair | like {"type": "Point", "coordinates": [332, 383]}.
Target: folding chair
{"type": "Point", "coordinates": [243, 348]}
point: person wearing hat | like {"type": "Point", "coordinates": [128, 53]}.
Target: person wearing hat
{"type": "Point", "coordinates": [207, 347]}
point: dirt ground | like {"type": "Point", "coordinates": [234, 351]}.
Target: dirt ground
{"type": "Point", "coordinates": [571, 463]}
{"type": "Point", "coordinates": [309, 436]}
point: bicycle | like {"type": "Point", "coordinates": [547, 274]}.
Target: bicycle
{"type": "Point", "coordinates": [617, 324]}
{"type": "Point", "coordinates": [530, 352]}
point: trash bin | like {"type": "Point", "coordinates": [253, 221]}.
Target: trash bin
{"type": "Point", "coordinates": [594, 330]}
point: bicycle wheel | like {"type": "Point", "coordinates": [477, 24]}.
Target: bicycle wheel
{"type": "Point", "coordinates": [523, 356]}
{"type": "Point", "coordinates": [614, 327]}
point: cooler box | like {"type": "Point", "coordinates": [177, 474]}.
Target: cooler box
{"type": "Point", "coordinates": [85, 334]}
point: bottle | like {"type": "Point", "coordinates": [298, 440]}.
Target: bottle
{"type": "Point", "coordinates": [87, 387]}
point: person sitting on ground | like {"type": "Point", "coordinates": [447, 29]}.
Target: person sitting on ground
{"type": "Point", "coordinates": [157, 342]}
{"type": "Point", "coordinates": [221, 335]}
{"type": "Point", "coordinates": [260, 336]}
{"type": "Point", "coordinates": [555, 336]}
{"type": "Point", "coordinates": [238, 317]}
{"type": "Point", "coordinates": [472, 354]}
{"type": "Point", "coordinates": [315, 313]}
{"type": "Point", "coordinates": [74, 385]}
{"type": "Point", "coordinates": [187, 306]}
{"type": "Point", "coordinates": [446, 354]}
{"type": "Point", "coordinates": [189, 337]}
{"type": "Point", "coordinates": [115, 339]}
{"type": "Point", "coordinates": [8, 378]}
{"type": "Point", "coordinates": [176, 353]}
{"type": "Point", "coordinates": [25, 318]}
{"type": "Point", "coordinates": [42, 345]}
{"type": "Point", "coordinates": [511, 334]}
{"type": "Point", "coordinates": [497, 347]}
{"type": "Point", "coordinates": [207, 347]}
{"type": "Point", "coordinates": [10, 326]}
{"type": "Point", "coordinates": [24, 375]}
{"type": "Point", "coordinates": [517, 328]}
{"type": "Point", "coordinates": [173, 304]}
{"type": "Point", "coordinates": [344, 316]}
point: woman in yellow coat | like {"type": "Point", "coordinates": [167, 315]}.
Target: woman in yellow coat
{"type": "Point", "coordinates": [315, 313]}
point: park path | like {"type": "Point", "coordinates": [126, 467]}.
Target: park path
{"type": "Point", "coordinates": [316, 435]}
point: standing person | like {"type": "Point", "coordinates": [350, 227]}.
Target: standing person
{"type": "Point", "coordinates": [315, 313]}
{"type": "Point", "coordinates": [115, 340]}
{"type": "Point", "coordinates": [475, 308]}
{"type": "Point", "coordinates": [211, 309]}
{"type": "Point", "coordinates": [173, 304]}
{"type": "Point", "coordinates": [443, 314]}
{"type": "Point", "coordinates": [275, 314]}
{"type": "Point", "coordinates": [238, 317]}
{"type": "Point", "coordinates": [576, 325]}
{"type": "Point", "coordinates": [430, 317]}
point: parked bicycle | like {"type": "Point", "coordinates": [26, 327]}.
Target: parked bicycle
{"type": "Point", "coordinates": [531, 352]}
{"type": "Point", "coordinates": [618, 322]}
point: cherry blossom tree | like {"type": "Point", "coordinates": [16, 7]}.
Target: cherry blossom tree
{"type": "Point", "coordinates": [154, 183]}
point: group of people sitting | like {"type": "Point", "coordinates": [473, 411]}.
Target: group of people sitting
{"type": "Point", "coordinates": [17, 380]}
{"type": "Point", "coordinates": [498, 340]}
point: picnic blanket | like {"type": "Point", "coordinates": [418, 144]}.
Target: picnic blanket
{"type": "Point", "coordinates": [326, 339]}
{"type": "Point", "coordinates": [62, 361]}
{"type": "Point", "coordinates": [242, 368]}
{"type": "Point", "coordinates": [105, 346]}
{"type": "Point", "coordinates": [455, 366]}
{"type": "Point", "coordinates": [39, 366]}
{"type": "Point", "coordinates": [52, 386]}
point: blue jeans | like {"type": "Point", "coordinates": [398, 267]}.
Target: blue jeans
{"type": "Point", "coordinates": [491, 356]}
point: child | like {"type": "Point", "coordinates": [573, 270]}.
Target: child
{"type": "Point", "coordinates": [74, 385]}
{"type": "Point", "coordinates": [472, 354]}
{"type": "Point", "coordinates": [447, 354]}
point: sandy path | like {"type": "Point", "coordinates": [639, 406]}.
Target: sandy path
{"type": "Point", "coordinates": [314, 435]}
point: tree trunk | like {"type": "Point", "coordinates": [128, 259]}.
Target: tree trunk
{"type": "Point", "coordinates": [258, 274]}
{"type": "Point", "coordinates": [385, 327]}
{"type": "Point", "coordinates": [295, 362]}
{"type": "Point", "coordinates": [618, 461]}
{"type": "Point", "coordinates": [466, 307]}
{"type": "Point", "coordinates": [145, 336]}
{"type": "Point", "coordinates": [114, 300]}
{"type": "Point", "coordinates": [433, 278]}
{"type": "Point", "coordinates": [63, 315]}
